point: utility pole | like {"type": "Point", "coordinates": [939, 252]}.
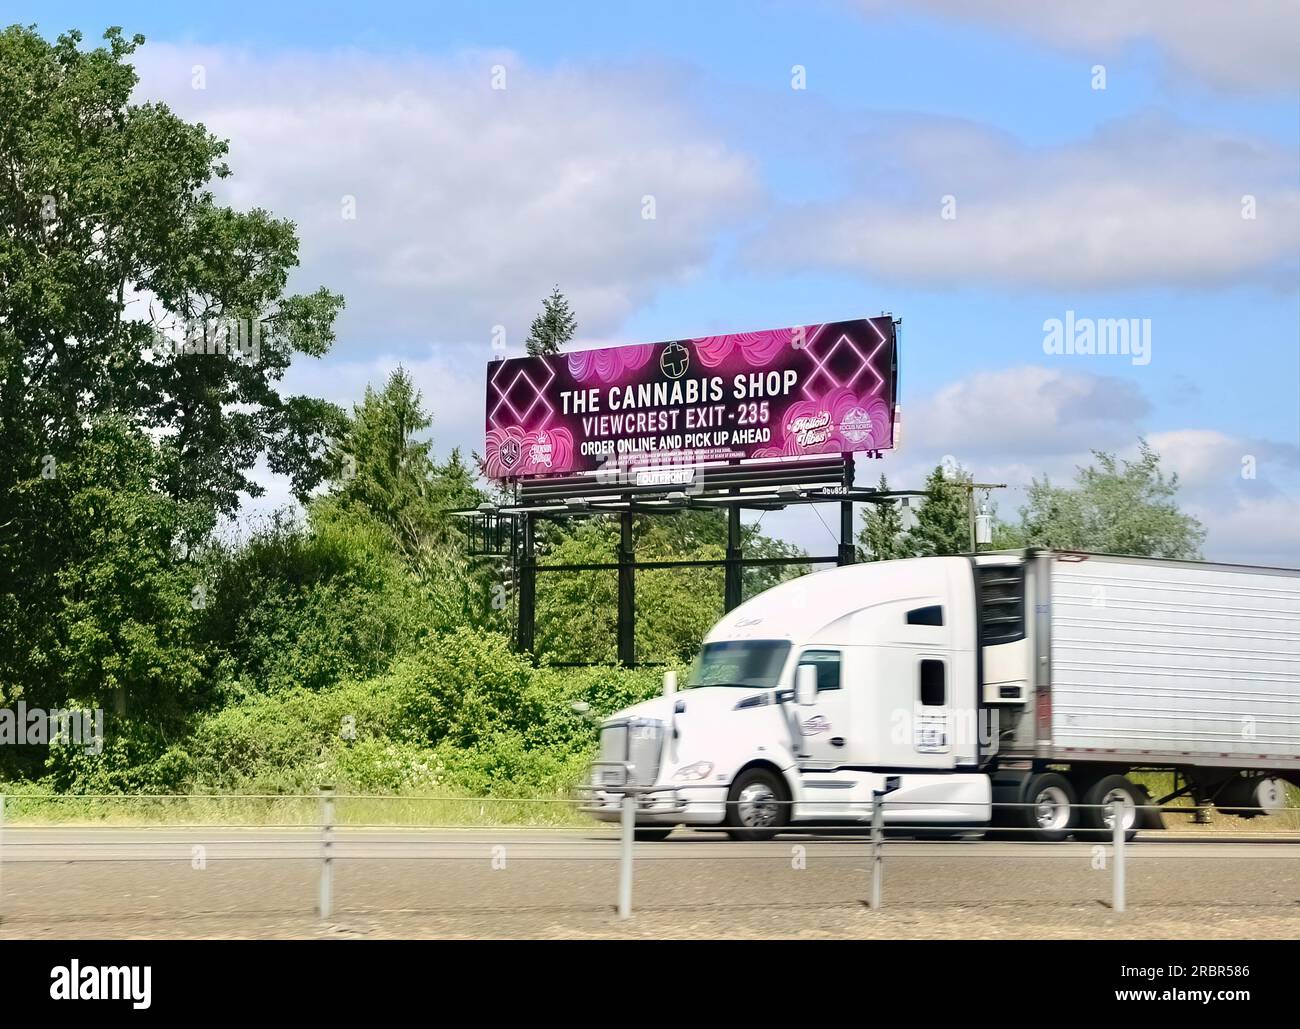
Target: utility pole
{"type": "Point", "coordinates": [970, 488]}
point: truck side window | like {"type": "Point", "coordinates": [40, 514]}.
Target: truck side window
{"type": "Point", "coordinates": [932, 683]}
{"type": "Point", "coordinates": [925, 615]}
{"type": "Point", "coordinates": [827, 663]}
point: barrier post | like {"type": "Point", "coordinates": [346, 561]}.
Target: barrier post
{"type": "Point", "coordinates": [326, 904]}
{"type": "Point", "coordinates": [877, 846]}
{"type": "Point", "coordinates": [1117, 845]}
{"type": "Point", "coordinates": [625, 857]}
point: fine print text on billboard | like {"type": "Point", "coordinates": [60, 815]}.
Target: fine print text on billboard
{"type": "Point", "coordinates": [810, 389]}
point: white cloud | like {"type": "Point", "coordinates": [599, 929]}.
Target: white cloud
{"type": "Point", "coordinates": [1244, 45]}
{"type": "Point", "coordinates": [470, 202]}
{"type": "Point", "coordinates": [1141, 202]}
{"type": "Point", "coordinates": [1027, 411]}
{"type": "Point", "coordinates": [1015, 424]}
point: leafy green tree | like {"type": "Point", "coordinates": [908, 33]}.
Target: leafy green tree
{"type": "Point", "coordinates": [551, 330]}
{"type": "Point", "coordinates": [1114, 507]}
{"type": "Point", "coordinates": [122, 438]}
{"type": "Point", "coordinates": [882, 537]}
{"type": "Point", "coordinates": [577, 611]}
{"type": "Point", "coordinates": [306, 605]}
{"type": "Point", "coordinates": [112, 240]}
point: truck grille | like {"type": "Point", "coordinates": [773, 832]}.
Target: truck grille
{"type": "Point", "coordinates": [638, 741]}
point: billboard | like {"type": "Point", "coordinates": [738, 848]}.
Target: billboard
{"type": "Point", "coordinates": [796, 392]}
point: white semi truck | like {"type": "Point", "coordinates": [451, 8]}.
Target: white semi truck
{"type": "Point", "coordinates": [1039, 680]}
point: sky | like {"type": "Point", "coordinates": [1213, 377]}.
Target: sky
{"type": "Point", "coordinates": [806, 162]}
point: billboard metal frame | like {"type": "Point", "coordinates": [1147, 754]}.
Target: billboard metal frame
{"type": "Point", "coordinates": [754, 485]}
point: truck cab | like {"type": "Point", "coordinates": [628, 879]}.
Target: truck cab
{"type": "Point", "coordinates": [890, 691]}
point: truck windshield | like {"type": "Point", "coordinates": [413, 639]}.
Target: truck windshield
{"type": "Point", "coordinates": [748, 663]}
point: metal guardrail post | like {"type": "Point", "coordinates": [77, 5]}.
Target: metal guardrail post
{"type": "Point", "coordinates": [1117, 845]}
{"type": "Point", "coordinates": [326, 904]}
{"type": "Point", "coordinates": [625, 856]}
{"type": "Point", "coordinates": [877, 846]}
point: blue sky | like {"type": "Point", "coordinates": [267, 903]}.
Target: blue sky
{"type": "Point", "coordinates": [780, 206]}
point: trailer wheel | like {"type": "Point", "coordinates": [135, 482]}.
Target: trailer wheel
{"type": "Point", "coordinates": [757, 805]}
{"type": "Point", "coordinates": [1099, 822]}
{"type": "Point", "coordinates": [649, 834]}
{"type": "Point", "coordinates": [1051, 811]}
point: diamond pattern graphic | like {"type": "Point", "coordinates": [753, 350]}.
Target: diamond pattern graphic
{"type": "Point", "coordinates": [844, 364]}
{"type": "Point", "coordinates": [521, 398]}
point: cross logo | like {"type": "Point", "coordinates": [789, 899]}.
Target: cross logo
{"type": "Point", "coordinates": [674, 361]}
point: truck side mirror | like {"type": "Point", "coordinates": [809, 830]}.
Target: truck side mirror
{"type": "Point", "coordinates": [805, 685]}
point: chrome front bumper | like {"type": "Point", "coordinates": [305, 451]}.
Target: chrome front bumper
{"type": "Point", "coordinates": [658, 805]}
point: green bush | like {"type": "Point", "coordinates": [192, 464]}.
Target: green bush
{"type": "Point", "coordinates": [461, 711]}
{"type": "Point", "coordinates": [309, 606]}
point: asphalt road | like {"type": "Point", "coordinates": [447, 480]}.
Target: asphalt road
{"type": "Point", "coordinates": [504, 882]}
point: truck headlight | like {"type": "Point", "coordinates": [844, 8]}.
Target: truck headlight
{"type": "Point", "coordinates": [695, 772]}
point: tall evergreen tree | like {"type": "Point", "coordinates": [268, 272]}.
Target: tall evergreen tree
{"type": "Point", "coordinates": [882, 537]}
{"type": "Point", "coordinates": [553, 328]}
{"type": "Point", "coordinates": [943, 521]}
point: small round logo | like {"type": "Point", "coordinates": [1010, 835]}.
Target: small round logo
{"type": "Point", "coordinates": [855, 426]}
{"type": "Point", "coordinates": [674, 360]}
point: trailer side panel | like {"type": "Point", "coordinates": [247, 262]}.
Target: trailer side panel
{"type": "Point", "coordinates": [1197, 663]}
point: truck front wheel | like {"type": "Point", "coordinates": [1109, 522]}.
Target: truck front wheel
{"type": "Point", "coordinates": [757, 805]}
{"type": "Point", "coordinates": [1049, 813]}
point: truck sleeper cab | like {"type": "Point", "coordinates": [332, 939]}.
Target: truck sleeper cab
{"type": "Point", "coordinates": [1015, 690]}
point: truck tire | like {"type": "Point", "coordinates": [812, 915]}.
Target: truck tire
{"type": "Point", "coordinates": [1050, 814]}
{"type": "Point", "coordinates": [1097, 821]}
{"type": "Point", "coordinates": [757, 805]}
{"type": "Point", "coordinates": [651, 834]}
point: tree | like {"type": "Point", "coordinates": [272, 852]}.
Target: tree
{"type": "Point", "coordinates": [553, 328]}
{"type": "Point", "coordinates": [1114, 507]}
{"type": "Point", "coordinates": [130, 414]}
{"type": "Point", "coordinates": [943, 520]}
{"type": "Point", "coordinates": [126, 289]}
{"type": "Point", "coordinates": [107, 620]}
{"type": "Point", "coordinates": [577, 612]}
{"type": "Point", "coordinates": [383, 468]}
{"type": "Point", "coordinates": [882, 537]}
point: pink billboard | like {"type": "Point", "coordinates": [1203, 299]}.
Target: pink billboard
{"type": "Point", "coordinates": [781, 393]}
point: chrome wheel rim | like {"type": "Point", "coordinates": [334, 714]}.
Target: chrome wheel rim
{"type": "Point", "coordinates": [1128, 809]}
{"type": "Point", "coordinates": [1052, 808]}
{"type": "Point", "coordinates": [757, 805]}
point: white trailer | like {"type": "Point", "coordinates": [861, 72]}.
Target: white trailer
{"type": "Point", "coordinates": [1038, 680]}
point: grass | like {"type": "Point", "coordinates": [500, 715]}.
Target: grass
{"type": "Point", "coordinates": [25, 808]}
{"type": "Point", "coordinates": [27, 805]}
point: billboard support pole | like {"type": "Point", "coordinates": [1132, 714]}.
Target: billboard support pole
{"type": "Point", "coordinates": [847, 555]}
{"type": "Point", "coordinates": [527, 588]}
{"type": "Point", "coordinates": [626, 593]}
{"type": "Point", "coordinates": [735, 570]}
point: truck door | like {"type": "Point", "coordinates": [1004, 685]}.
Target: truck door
{"type": "Point", "coordinates": [825, 726]}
